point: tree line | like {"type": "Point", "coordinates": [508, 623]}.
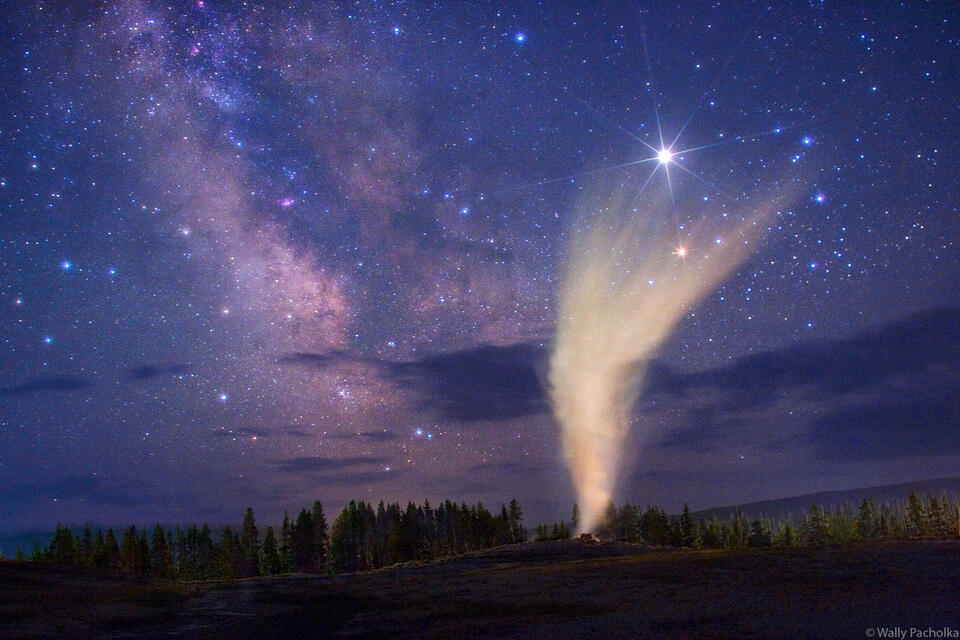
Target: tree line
{"type": "Point", "coordinates": [363, 537]}
{"type": "Point", "coordinates": [914, 518]}
{"type": "Point", "coordinates": [360, 538]}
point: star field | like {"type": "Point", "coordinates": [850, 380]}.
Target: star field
{"type": "Point", "coordinates": [247, 250]}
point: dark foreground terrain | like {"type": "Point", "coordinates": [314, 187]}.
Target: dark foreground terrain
{"type": "Point", "coordinates": [561, 589]}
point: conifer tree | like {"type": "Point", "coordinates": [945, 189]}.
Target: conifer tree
{"type": "Point", "coordinates": [883, 526]}
{"type": "Point", "coordinates": [814, 530]}
{"type": "Point", "coordinates": [97, 559]}
{"type": "Point", "coordinates": [111, 551]}
{"type": "Point", "coordinates": [916, 516]}
{"type": "Point", "coordinates": [787, 537]}
{"type": "Point", "coordinates": [269, 558]}
{"type": "Point", "coordinates": [63, 547]}
{"type": "Point", "coordinates": [628, 524]}
{"type": "Point", "coordinates": [866, 525]}
{"type": "Point", "coordinates": [85, 551]}
{"type": "Point", "coordinates": [759, 535]}
{"type": "Point", "coordinates": [368, 524]}
{"type": "Point", "coordinates": [739, 531]}
{"type": "Point", "coordinates": [249, 546]}
{"type": "Point", "coordinates": [342, 556]}
{"type": "Point", "coordinates": [303, 550]}
{"type": "Point", "coordinates": [143, 567]}
{"type": "Point", "coordinates": [228, 554]}
{"type": "Point", "coordinates": [937, 517]}
{"type": "Point", "coordinates": [321, 537]}
{"type": "Point", "coordinates": [896, 527]}
{"type": "Point", "coordinates": [206, 554]}
{"type": "Point", "coordinates": [410, 529]}
{"type": "Point", "coordinates": [841, 529]}
{"type": "Point", "coordinates": [609, 522]}
{"type": "Point", "coordinates": [161, 557]}
{"type": "Point", "coordinates": [655, 526]}
{"type": "Point", "coordinates": [504, 535]}
{"type": "Point", "coordinates": [428, 531]}
{"type": "Point", "coordinates": [687, 530]}
{"type": "Point", "coordinates": [182, 553]}
{"type": "Point", "coordinates": [517, 531]}
{"type": "Point", "coordinates": [128, 551]}
{"type": "Point", "coordinates": [704, 537]}
{"type": "Point", "coordinates": [286, 557]}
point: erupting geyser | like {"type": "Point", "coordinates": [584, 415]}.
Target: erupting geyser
{"type": "Point", "coordinates": [625, 287]}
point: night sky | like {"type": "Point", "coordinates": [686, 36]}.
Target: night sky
{"type": "Point", "coordinates": [253, 255]}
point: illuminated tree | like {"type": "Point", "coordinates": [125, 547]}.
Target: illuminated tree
{"type": "Point", "coordinates": [787, 537]}
{"type": "Point", "coordinates": [687, 532]}
{"type": "Point", "coordinates": [916, 516]}
{"type": "Point", "coordinates": [866, 526]}
{"type": "Point", "coordinates": [814, 529]}
{"type": "Point", "coordinates": [937, 512]}
{"type": "Point", "coordinates": [759, 535]}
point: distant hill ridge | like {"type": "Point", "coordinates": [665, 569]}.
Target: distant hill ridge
{"type": "Point", "coordinates": [794, 507]}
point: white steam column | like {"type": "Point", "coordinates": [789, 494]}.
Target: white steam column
{"type": "Point", "coordinates": [626, 284]}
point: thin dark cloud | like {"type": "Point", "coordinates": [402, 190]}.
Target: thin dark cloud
{"type": "Point", "coordinates": [919, 355]}
{"type": "Point", "coordinates": [702, 432]}
{"type": "Point", "coordinates": [318, 360]}
{"type": "Point", "coordinates": [71, 487]}
{"type": "Point", "coordinates": [370, 436]}
{"type": "Point", "coordinates": [491, 477]}
{"type": "Point", "coordinates": [53, 383]}
{"type": "Point", "coordinates": [150, 371]}
{"type": "Point", "coordinates": [342, 472]}
{"type": "Point", "coordinates": [483, 383]}
{"type": "Point", "coordinates": [460, 486]}
{"type": "Point", "coordinates": [261, 432]}
{"type": "Point", "coordinates": [355, 478]}
{"type": "Point", "coordinates": [319, 464]}
{"type": "Point", "coordinates": [291, 430]}
{"type": "Point", "coordinates": [296, 432]}
{"type": "Point", "coordinates": [916, 343]}
{"type": "Point", "coordinates": [240, 433]}
{"type": "Point", "coordinates": [891, 429]}
{"type": "Point", "coordinates": [499, 382]}
{"type": "Point", "coordinates": [888, 393]}
{"type": "Point", "coordinates": [495, 467]}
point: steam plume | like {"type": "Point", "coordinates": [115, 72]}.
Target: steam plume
{"type": "Point", "coordinates": [626, 285]}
